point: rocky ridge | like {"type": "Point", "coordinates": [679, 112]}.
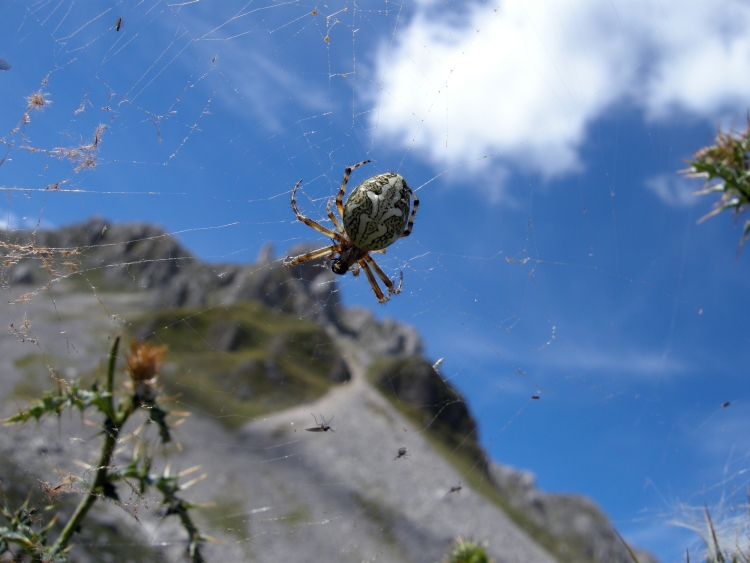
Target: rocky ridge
{"type": "Point", "coordinates": [142, 258]}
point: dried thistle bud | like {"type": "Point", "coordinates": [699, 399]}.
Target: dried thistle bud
{"type": "Point", "coordinates": [144, 360]}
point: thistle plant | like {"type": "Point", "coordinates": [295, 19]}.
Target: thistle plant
{"type": "Point", "coordinates": [725, 166]}
{"type": "Point", "coordinates": [464, 550]}
{"type": "Point", "coordinates": [23, 535]}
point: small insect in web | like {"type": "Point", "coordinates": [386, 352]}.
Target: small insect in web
{"type": "Point", "coordinates": [321, 426]}
{"type": "Point", "coordinates": [118, 25]}
{"type": "Point", "coordinates": [375, 215]}
{"type": "Point", "coordinates": [453, 489]}
{"type": "Point", "coordinates": [402, 452]}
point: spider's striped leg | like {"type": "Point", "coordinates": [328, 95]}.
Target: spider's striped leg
{"type": "Point", "coordinates": [333, 219]}
{"type": "Point", "coordinates": [340, 195]}
{"type": "Point", "coordinates": [309, 222]}
{"type": "Point", "coordinates": [381, 274]}
{"type": "Point", "coordinates": [410, 226]}
{"type": "Point", "coordinates": [373, 282]}
{"type": "Point", "coordinates": [326, 252]}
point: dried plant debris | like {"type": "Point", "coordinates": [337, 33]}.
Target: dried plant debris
{"type": "Point", "coordinates": [20, 260]}
{"type": "Point", "coordinates": [82, 156]}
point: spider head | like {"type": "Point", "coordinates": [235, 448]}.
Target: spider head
{"type": "Point", "coordinates": [347, 259]}
{"type": "Point", "coordinates": [339, 267]}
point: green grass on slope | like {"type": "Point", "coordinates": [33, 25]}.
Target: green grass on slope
{"type": "Point", "coordinates": [240, 361]}
{"type": "Point", "coordinates": [231, 363]}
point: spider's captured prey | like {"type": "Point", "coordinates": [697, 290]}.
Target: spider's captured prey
{"type": "Point", "coordinates": [375, 215]}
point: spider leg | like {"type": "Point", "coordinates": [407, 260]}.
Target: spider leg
{"type": "Point", "coordinates": [333, 219]}
{"type": "Point", "coordinates": [309, 222]}
{"type": "Point", "coordinates": [373, 282]}
{"type": "Point", "coordinates": [320, 253]}
{"type": "Point", "coordinates": [381, 274]}
{"type": "Point", "coordinates": [381, 251]}
{"type": "Point", "coordinates": [340, 195]}
{"type": "Point", "coordinates": [410, 226]}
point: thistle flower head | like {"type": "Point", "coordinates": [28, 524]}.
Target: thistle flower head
{"type": "Point", "coordinates": [144, 360]}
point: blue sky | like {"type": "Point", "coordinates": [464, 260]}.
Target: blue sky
{"type": "Point", "coordinates": [555, 250]}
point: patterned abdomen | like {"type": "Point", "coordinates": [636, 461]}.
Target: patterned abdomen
{"type": "Point", "coordinates": [376, 212]}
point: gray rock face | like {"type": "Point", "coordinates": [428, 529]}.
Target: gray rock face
{"type": "Point", "coordinates": [142, 267]}
{"type": "Point", "coordinates": [137, 256]}
{"type": "Point", "coordinates": [140, 257]}
{"type": "Point", "coordinates": [574, 519]}
{"type": "Point", "coordinates": [388, 338]}
{"type": "Point", "coordinates": [415, 382]}
{"type": "Point", "coordinates": [134, 255]}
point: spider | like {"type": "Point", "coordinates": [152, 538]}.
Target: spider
{"type": "Point", "coordinates": [321, 426]}
{"type": "Point", "coordinates": [374, 217]}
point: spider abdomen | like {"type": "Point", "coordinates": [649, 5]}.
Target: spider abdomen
{"type": "Point", "coordinates": [376, 212]}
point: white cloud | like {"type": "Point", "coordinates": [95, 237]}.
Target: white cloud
{"type": "Point", "coordinates": [630, 361]}
{"type": "Point", "coordinates": [674, 190]}
{"type": "Point", "coordinates": [633, 362]}
{"type": "Point", "coordinates": [9, 221]}
{"type": "Point", "coordinates": [259, 86]}
{"type": "Point", "coordinates": [722, 437]}
{"type": "Point", "coordinates": [263, 89]}
{"type": "Point", "coordinates": [525, 79]}
{"type": "Point", "coordinates": [702, 58]}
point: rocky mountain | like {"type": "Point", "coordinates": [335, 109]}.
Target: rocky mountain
{"type": "Point", "coordinates": [254, 349]}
